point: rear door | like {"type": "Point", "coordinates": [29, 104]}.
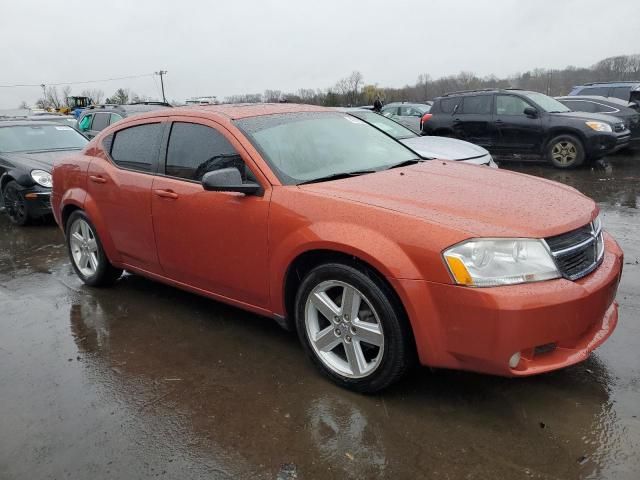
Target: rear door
{"type": "Point", "coordinates": [214, 241]}
{"type": "Point", "coordinates": [473, 120]}
{"type": "Point", "coordinates": [121, 190]}
{"type": "Point", "coordinates": [516, 132]}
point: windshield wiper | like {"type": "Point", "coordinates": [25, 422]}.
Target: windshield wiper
{"type": "Point", "coordinates": [406, 163]}
{"type": "Point", "coordinates": [337, 176]}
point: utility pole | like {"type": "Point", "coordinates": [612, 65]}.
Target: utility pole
{"type": "Point", "coordinates": [44, 95]}
{"type": "Point", "coordinates": [161, 73]}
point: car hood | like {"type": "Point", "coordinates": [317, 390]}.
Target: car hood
{"type": "Point", "coordinates": [36, 160]}
{"type": "Point", "coordinates": [480, 201]}
{"type": "Point", "coordinates": [600, 117]}
{"type": "Point", "coordinates": [444, 148]}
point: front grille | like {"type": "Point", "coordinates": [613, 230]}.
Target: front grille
{"type": "Point", "coordinates": [579, 252]}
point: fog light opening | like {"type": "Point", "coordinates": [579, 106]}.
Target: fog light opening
{"type": "Point", "coordinates": [514, 360]}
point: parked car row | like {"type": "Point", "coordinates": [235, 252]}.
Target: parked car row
{"type": "Point", "coordinates": [519, 122]}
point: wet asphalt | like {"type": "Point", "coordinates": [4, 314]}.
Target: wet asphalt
{"type": "Point", "coordinates": [143, 381]}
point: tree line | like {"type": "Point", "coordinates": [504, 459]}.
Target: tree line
{"type": "Point", "coordinates": [352, 90]}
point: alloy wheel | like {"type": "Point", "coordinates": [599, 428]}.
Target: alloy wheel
{"type": "Point", "coordinates": [84, 247]}
{"type": "Point", "coordinates": [344, 329]}
{"type": "Point", "coordinates": [564, 152]}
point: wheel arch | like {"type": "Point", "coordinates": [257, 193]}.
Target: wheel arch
{"type": "Point", "coordinates": [557, 131]}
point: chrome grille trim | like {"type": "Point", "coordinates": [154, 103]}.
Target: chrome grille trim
{"type": "Point", "coordinates": [578, 259]}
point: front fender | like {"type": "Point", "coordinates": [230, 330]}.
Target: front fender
{"type": "Point", "coordinates": [364, 243]}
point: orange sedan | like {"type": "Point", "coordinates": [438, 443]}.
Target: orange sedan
{"type": "Point", "coordinates": [376, 257]}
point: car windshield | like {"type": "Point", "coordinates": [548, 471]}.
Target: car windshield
{"type": "Point", "coordinates": [31, 138]}
{"type": "Point", "coordinates": [302, 147]}
{"type": "Point", "coordinates": [390, 127]}
{"type": "Point", "coordinates": [547, 103]}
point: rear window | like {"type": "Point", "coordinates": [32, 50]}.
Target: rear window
{"type": "Point", "coordinates": [447, 105]}
{"type": "Point", "coordinates": [480, 104]}
{"type": "Point", "coordinates": [136, 148]}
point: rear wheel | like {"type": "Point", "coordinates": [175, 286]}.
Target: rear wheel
{"type": "Point", "coordinates": [352, 328]}
{"type": "Point", "coordinates": [565, 151]}
{"type": "Point", "coordinates": [86, 253]}
{"type": "Point", "coordinates": [15, 204]}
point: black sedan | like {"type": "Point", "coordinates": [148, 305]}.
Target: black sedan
{"type": "Point", "coordinates": [27, 152]}
{"type": "Point", "coordinates": [625, 111]}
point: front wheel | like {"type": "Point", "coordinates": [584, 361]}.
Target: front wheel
{"type": "Point", "coordinates": [15, 204]}
{"type": "Point", "coordinates": [565, 151]}
{"type": "Point", "coordinates": [352, 328]}
{"type": "Point", "coordinates": [86, 252]}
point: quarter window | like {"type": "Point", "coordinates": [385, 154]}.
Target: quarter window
{"type": "Point", "coordinates": [510, 105]}
{"type": "Point", "coordinates": [195, 149]}
{"type": "Point", "coordinates": [100, 121]}
{"type": "Point", "coordinates": [136, 148]}
{"type": "Point", "coordinates": [480, 104]}
{"type": "Point", "coordinates": [581, 106]}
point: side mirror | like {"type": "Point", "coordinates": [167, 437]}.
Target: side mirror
{"type": "Point", "coordinates": [531, 112]}
{"type": "Point", "coordinates": [229, 180]}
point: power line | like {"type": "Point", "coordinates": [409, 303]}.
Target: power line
{"type": "Point", "coordinates": [77, 83]}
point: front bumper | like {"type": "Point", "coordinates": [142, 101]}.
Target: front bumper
{"type": "Point", "coordinates": [38, 201]}
{"type": "Point", "coordinates": [552, 324]}
{"type": "Point", "coordinates": [599, 145]}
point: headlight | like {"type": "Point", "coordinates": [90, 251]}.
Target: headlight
{"type": "Point", "coordinates": [599, 126]}
{"type": "Point", "coordinates": [42, 178]}
{"type": "Point", "coordinates": [493, 262]}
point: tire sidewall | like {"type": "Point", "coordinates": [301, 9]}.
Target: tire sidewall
{"type": "Point", "coordinates": [395, 353]}
{"type": "Point", "coordinates": [102, 272]}
{"type": "Point", "coordinates": [580, 157]}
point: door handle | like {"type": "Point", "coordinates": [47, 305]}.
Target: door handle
{"type": "Point", "coordinates": [97, 179]}
{"type": "Point", "coordinates": [166, 194]}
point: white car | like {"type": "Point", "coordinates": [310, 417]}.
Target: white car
{"type": "Point", "coordinates": [430, 147]}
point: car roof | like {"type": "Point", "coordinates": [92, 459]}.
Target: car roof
{"type": "Point", "coordinates": [22, 123]}
{"type": "Point", "coordinates": [236, 111]}
{"type": "Point", "coordinates": [616, 83]}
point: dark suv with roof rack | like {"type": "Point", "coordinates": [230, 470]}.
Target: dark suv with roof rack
{"type": "Point", "coordinates": [523, 124]}
{"type": "Point", "coordinates": [96, 118]}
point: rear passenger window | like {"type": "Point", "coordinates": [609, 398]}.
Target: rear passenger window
{"type": "Point", "coordinates": [114, 118]}
{"type": "Point", "coordinates": [195, 149]}
{"type": "Point", "coordinates": [581, 106]}
{"type": "Point", "coordinates": [136, 148]}
{"type": "Point", "coordinates": [480, 104]}
{"type": "Point", "coordinates": [447, 105]}
{"type": "Point", "coordinates": [100, 121]}
{"type": "Point", "coordinates": [85, 123]}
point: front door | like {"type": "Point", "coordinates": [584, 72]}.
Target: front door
{"type": "Point", "coordinates": [214, 241]}
{"type": "Point", "coordinates": [122, 190]}
{"type": "Point", "coordinates": [517, 132]}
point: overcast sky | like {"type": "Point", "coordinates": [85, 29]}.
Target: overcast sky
{"type": "Point", "coordinates": [246, 46]}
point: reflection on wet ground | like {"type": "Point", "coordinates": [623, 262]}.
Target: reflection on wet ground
{"type": "Point", "coordinates": [142, 380]}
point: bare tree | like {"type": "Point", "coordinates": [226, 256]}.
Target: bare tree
{"type": "Point", "coordinates": [23, 105]}
{"type": "Point", "coordinates": [95, 95]}
{"type": "Point", "coordinates": [272, 96]}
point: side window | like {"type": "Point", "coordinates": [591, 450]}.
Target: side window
{"type": "Point", "coordinates": [195, 149]}
{"type": "Point", "coordinates": [136, 148]}
{"type": "Point", "coordinates": [598, 91]}
{"type": "Point", "coordinates": [480, 104]}
{"type": "Point", "coordinates": [389, 111]}
{"type": "Point", "coordinates": [100, 121]}
{"type": "Point", "coordinates": [510, 105]}
{"type": "Point", "coordinates": [409, 111]}
{"type": "Point", "coordinates": [447, 105]}
{"type": "Point", "coordinates": [85, 123]}
{"type": "Point", "coordinates": [581, 106]}
{"type": "Point", "coordinates": [114, 118]}
{"type": "Point", "coordinates": [622, 93]}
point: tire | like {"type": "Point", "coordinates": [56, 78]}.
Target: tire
{"type": "Point", "coordinates": [565, 151]}
{"type": "Point", "coordinates": [86, 252]}
{"type": "Point", "coordinates": [366, 349]}
{"type": "Point", "coordinates": [15, 205]}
